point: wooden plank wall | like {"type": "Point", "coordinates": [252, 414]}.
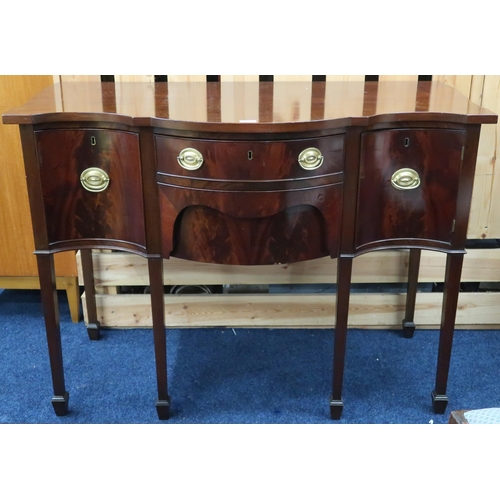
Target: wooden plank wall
{"type": "Point", "coordinates": [387, 267]}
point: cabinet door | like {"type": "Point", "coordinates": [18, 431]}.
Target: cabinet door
{"type": "Point", "coordinates": [420, 210]}
{"type": "Point", "coordinates": [113, 216]}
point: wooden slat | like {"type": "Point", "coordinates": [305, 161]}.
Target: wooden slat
{"type": "Point", "coordinates": [294, 310]}
{"type": "Point", "coordinates": [239, 78]}
{"type": "Point", "coordinates": [462, 83]}
{"type": "Point", "coordinates": [239, 103]}
{"type": "Point", "coordinates": [119, 268]}
{"type": "Point", "coordinates": [292, 78]}
{"type": "Point", "coordinates": [135, 78]}
{"type": "Point", "coordinates": [398, 78]}
{"type": "Point", "coordinates": [488, 153]}
{"type": "Point", "coordinates": [187, 78]}
{"type": "Point", "coordinates": [345, 78]}
{"type": "Point", "coordinates": [79, 78]}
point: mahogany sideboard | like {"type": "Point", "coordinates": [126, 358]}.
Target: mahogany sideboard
{"type": "Point", "coordinates": [250, 173]}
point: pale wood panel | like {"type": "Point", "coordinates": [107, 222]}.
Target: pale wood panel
{"type": "Point", "coordinates": [129, 102]}
{"type": "Point", "coordinates": [120, 268]}
{"type": "Point", "coordinates": [345, 78]}
{"type": "Point", "coordinates": [187, 78]}
{"type": "Point", "coordinates": [239, 78]}
{"type": "Point", "coordinates": [292, 78]}
{"type": "Point", "coordinates": [488, 153]}
{"type": "Point", "coordinates": [79, 78]}
{"type": "Point", "coordinates": [295, 310]}
{"type": "Point", "coordinates": [180, 101]}
{"type": "Point", "coordinates": [292, 102]}
{"type": "Point", "coordinates": [462, 83]}
{"type": "Point", "coordinates": [135, 78]}
{"type": "Point", "coordinates": [482, 192]}
{"type": "Point", "coordinates": [476, 89]}
{"type": "Point", "coordinates": [342, 101]}
{"type": "Point", "coordinates": [16, 241]}
{"type": "Point", "coordinates": [398, 78]}
{"type": "Point", "coordinates": [389, 94]}
{"type": "Point", "coordinates": [239, 103]}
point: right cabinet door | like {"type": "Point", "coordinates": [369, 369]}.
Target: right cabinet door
{"type": "Point", "coordinates": [408, 186]}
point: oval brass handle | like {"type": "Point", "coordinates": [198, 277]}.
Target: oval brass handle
{"type": "Point", "coordinates": [190, 159]}
{"type": "Point", "coordinates": [310, 159]}
{"type": "Point", "coordinates": [405, 178]}
{"type": "Point", "coordinates": [94, 179]}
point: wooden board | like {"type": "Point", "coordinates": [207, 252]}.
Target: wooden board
{"type": "Point", "coordinates": [120, 268]}
{"type": "Point", "coordinates": [293, 310]}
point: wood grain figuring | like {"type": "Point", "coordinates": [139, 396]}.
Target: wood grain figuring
{"type": "Point", "coordinates": [246, 232]}
{"type": "Point", "coordinates": [74, 213]}
{"type": "Point", "coordinates": [249, 161]}
{"type": "Point", "coordinates": [426, 212]}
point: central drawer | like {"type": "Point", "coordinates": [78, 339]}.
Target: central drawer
{"type": "Point", "coordinates": [249, 160]}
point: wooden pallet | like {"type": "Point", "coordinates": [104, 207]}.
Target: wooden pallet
{"type": "Point", "coordinates": [369, 310]}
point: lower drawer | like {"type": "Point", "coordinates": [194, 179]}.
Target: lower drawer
{"type": "Point", "coordinates": [250, 228]}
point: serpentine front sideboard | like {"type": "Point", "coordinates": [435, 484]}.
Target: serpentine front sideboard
{"type": "Point", "coordinates": [250, 173]}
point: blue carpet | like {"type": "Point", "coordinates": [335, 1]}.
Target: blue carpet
{"type": "Point", "coordinates": [235, 376]}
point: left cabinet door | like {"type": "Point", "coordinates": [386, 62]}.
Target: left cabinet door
{"type": "Point", "coordinates": [104, 208]}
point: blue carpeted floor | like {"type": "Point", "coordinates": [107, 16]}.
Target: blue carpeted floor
{"type": "Point", "coordinates": [235, 376]}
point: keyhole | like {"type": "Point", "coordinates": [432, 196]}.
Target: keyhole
{"type": "Point", "coordinates": [93, 141]}
{"type": "Point", "coordinates": [250, 155]}
{"type": "Point", "coordinates": [407, 142]}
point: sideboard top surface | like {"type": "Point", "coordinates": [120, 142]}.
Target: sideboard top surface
{"type": "Point", "coordinates": [249, 106]}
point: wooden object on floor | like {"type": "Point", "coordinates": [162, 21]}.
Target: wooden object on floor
{"type": "Point", "coordinates": [457, 417]}
{"type": "Point", "coordinates": [18, 267]}
{"type": "Point", "coordinates": [381, 309]}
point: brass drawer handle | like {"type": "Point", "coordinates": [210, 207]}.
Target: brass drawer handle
{"type": "Point", "coordinates": [94, 179]}
{"type": "Point", "coordinates": [190, 159]}
{"type": "Point", "coordinates": [310, 159]}
{"type": "Point", "coordinates": [405, 178]}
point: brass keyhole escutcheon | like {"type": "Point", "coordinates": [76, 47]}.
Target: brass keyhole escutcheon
{"type": "Point", "coordinates": [94, 179]}
{"type": "Point", "coordinates": [190, 159]}
{"type": "Point", "coordinates": [405, 178]}
{"type": "Point", "coordinates": [310, 159]}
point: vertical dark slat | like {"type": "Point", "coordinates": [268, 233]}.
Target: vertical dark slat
{"type": "Point", "coordinates": [266, 96]}
{"type": "Point", "coordinates": [318, 100]}
{"type": "Point", "coordinates": [213, 78]}
{"type": "Point", "coordinates": [213, 102]}
{"type": "Point", "coordinates": [161, 78]}
{"type": "Point", "coordinates": [424, 78]}
{"type": "Point", "coordinates": [161, 100]}
{"type": "Point", "coordinates": [109, 95]}
{"type": "Point", "coordinates": [93, 325]}
{"type": "Point", "coordinates": [108, 78]}
{"type": "Point", "coordinates": [370, 107]}
{"type": "Point", "coordinates": [423, 99]}
{"type": "Point", "coordinates": [411, 292]}
{"type": "Point", "coordinates": [371, 78]}
{"type": "Point", "coordinates": [319, 78]}
{"type": "Point", "coordinates": [266, 78]}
